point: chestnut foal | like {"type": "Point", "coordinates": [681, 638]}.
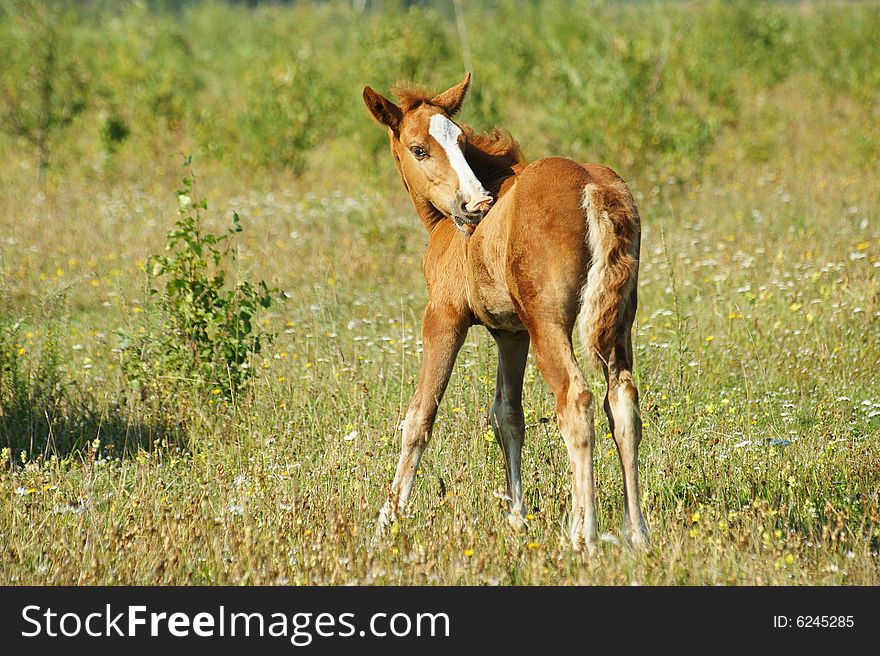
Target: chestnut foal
{"type": "Point", "coordinates": [526, 250]}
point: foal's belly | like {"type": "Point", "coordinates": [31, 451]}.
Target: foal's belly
{"type": "Point", "coordinates": [493, 308]}
{"type": "Point", "coordinates": [488, 295]}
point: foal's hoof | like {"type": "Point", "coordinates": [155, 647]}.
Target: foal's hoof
{"type": "Point", "coordinates": [517, 521]}
{"type": "Point", "coordinates": [581, 542]}
{"type": "Point", "coordinates": [379, 534]}
{"type": "Point", "coordinates": [637, 540]}
{"type": "Point", "coordinates": [640, 542]}
{"type": "Point", "coordinates": [590, 547]}
{"type": "Point", "coordinates": [384, 523]}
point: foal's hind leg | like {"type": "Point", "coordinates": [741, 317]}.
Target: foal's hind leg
{"type": "Point", "coordinates": [508, 421]}
{"type": "Point", "coordinates": [622, 409]}
{"type": "Point", "coordinates": [443, 332]}
{"type": "Point", "coordinates": [574, 410]}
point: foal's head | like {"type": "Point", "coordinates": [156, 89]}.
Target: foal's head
{"type": "Point", "coordinates": [428, 149]}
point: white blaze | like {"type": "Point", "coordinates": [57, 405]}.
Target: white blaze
{"type": "Point", "coordinates": [446, 133]}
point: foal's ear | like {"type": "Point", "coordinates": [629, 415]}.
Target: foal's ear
{"type": "Point", "coordinates": [451, 99]}
{"type": "Point", "coordinates": [382, 109]}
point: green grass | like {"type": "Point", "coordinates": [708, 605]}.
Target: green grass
{"type": "Point", "coordinates": [757, 338]}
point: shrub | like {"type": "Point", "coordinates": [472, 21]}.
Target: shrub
{"type": "Point", "coordinates": [204, 334]}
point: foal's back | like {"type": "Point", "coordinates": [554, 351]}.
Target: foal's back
{"type": "Point", "coordinates": [531, 254]}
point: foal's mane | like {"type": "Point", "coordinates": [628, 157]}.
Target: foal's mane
{"type": "Point", "coordinates": [495, 158]}
{"type": "Point", "coordinates": [494, 155]}
{"type": "Point", "coordinates": [497, 144]}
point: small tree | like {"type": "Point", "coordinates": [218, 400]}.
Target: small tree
{"type": "Point", "coordinates": [205, 329]}
{"type": "Point", "coordinates": [43, 88]}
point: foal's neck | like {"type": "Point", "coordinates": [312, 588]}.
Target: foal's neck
{"type": "Point", "coordinates": [431, 217]}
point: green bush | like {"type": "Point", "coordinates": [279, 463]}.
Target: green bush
{"type": "Point", "coordinates": [205, 333]}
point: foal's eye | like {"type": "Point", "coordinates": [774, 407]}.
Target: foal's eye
{"type": "Point", "coordinates": [418, 152]}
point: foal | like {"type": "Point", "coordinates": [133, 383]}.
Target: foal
{"type": "Point", "coordinates": [527, 251]}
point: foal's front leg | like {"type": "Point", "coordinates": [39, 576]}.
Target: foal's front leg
{"type": "Point", "coordinates": [443, 332]}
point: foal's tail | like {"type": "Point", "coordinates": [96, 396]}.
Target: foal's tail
{"type": "Point", "coordinates": [608, 299]}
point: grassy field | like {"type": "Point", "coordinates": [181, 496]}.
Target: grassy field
{"type": "Point", "coordinates": [749, 135]}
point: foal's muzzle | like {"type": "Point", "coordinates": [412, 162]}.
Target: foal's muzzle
{"type": "Point", "coordinates": [467, 214]}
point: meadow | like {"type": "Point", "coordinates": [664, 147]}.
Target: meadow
{"type": "Point", "coordinates": [749, 133]}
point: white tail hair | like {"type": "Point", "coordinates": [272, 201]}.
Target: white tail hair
{"type": "Point", "coordinates": [613, 240]}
